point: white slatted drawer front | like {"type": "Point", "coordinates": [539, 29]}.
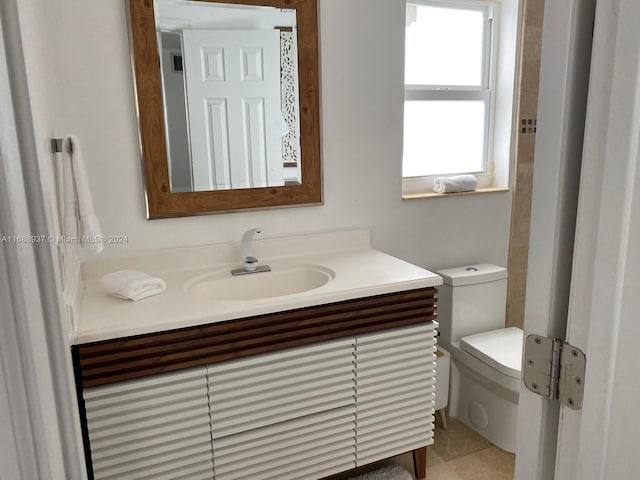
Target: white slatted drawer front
{"type": "Point", "coordinates": [283, 450]}
{"type": "Point", "coordinates": [395, 389]}
{"type": "Point", "coordinates": [267, 389]}
{"type": "Point", "coordinates": [155, 428]}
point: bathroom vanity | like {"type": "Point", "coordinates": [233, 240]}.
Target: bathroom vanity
{"type": "Point", "coordinates": [295, 386]}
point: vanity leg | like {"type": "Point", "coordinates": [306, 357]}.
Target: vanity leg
{"type": "Point", "coordinates": [420, 462]}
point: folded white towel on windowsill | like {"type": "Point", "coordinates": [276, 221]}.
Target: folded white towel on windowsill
{"type": "Point", "coordinates": [132, 285]}
{"type": "Point", "coordinates": [455, 184]}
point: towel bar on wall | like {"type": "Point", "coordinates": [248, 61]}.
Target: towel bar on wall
{"type": "Point", "coordinates": [56, 145]}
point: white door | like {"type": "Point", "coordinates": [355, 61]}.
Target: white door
{"type": "Point", "coordinates": [600, 441]}
{"type": "Point", "coordinates": [594, 281]}
{"type": "Point", "coordinates": [234, 108]}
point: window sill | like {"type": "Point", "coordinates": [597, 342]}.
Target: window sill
{"type": "Point", "coordinates": [412, 196]}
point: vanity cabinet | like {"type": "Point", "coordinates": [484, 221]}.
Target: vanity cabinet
{"type": "Point", "coordinates": [395, 391]}
{"type": "Point", "coordinates": [300, 412]}
{"type": "Point", "coordinates": [288, 414]}
{"type": "Point", "coordinates": [153, 428]}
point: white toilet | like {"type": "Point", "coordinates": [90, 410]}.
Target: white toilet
{"type": "Point", "coordinates": [486, 356]}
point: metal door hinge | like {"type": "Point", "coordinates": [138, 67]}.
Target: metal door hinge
{"type": "Point", "coordinates": [554, 369]}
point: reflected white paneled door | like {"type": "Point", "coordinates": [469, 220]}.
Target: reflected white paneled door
{"type": "Point", "coordinates": [395, 391]}
{"type": "Point", "coordinates": [155, 428]}
{"type": "Point", "coordinates": [234, 108]}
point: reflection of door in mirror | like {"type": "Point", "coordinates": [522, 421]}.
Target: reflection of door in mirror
{"type": "Point", "coordinates": [229, 82]}
{"type": "Point", "coordinates": [233, 100]}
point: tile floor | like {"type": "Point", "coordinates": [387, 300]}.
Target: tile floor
{"type": "Point", "coordinates": [458, 453]}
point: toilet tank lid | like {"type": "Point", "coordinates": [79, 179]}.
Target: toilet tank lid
{"type": "Point", "coordinates": [472, 274]}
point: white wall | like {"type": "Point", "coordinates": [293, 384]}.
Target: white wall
{"type": "Point", "coordinates": [36, 311]}
{"type": "Point", "coordinates": [362, 98]}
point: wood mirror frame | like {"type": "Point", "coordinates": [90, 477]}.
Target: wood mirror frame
{"type": "Point", "coordinates": [161, 202]}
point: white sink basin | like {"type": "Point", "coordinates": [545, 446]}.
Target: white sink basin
{"type": "Point", "coordinates": [282, 280]}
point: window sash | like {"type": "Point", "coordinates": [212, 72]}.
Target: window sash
{"type": "Point", "coordinates": [486, 8]}
{"type": "Point", "coordinates": [446, 95]}
{"type": "Point", "coordinates": [482, 93]}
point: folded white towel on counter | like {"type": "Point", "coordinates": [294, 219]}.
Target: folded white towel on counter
{"type": "Point", "coordinates": [457, 183]}
{"type": "Point", "coordinates": [132, 285]}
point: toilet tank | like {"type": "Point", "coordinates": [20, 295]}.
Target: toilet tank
{"type": "Point", "coordinates": [472, 300]}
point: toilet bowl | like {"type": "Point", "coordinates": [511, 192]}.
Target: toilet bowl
{"type": "Point", "coordinates": [486, 356]}
{"type": "Point", "coordinates": [485, 383]}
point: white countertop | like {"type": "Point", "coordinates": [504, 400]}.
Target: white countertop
{"type": "Point", "coordinates": [359, 271]}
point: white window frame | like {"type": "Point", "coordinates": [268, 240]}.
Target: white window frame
{"type": "Point", "coordinates": [484, 92]}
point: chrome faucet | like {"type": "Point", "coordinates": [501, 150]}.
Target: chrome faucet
{"type": "Point", "coordinates": [250, 263]}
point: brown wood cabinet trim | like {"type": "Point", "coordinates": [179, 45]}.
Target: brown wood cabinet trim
{"type": "Point", "coordinates": [203, 346]}
{"type": "Point", "coordinates": [135, 357]}
{"type": "Point", "coordinates": [242, 324]}
{"type": "Point", "coordinates": [284, 329]}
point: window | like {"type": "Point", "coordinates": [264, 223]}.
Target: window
{"type": "Point", "coordinates": [449, 83]}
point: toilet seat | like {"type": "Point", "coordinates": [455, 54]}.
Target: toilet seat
{"type": "Point", "coordinates": [501, 349]}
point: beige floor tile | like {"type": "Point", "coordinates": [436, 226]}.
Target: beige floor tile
{"type": "Point", "coordinates": [433, 458]}
{"type": "Point", "coordinates": [489, 464]}
{"type": "Point", "coordinates": [457, 440]}
{"type": "Point", "coordinates": [442, 472]}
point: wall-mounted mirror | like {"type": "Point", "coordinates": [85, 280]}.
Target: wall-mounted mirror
{"type": "Point", "coordinates": [228, 104]}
